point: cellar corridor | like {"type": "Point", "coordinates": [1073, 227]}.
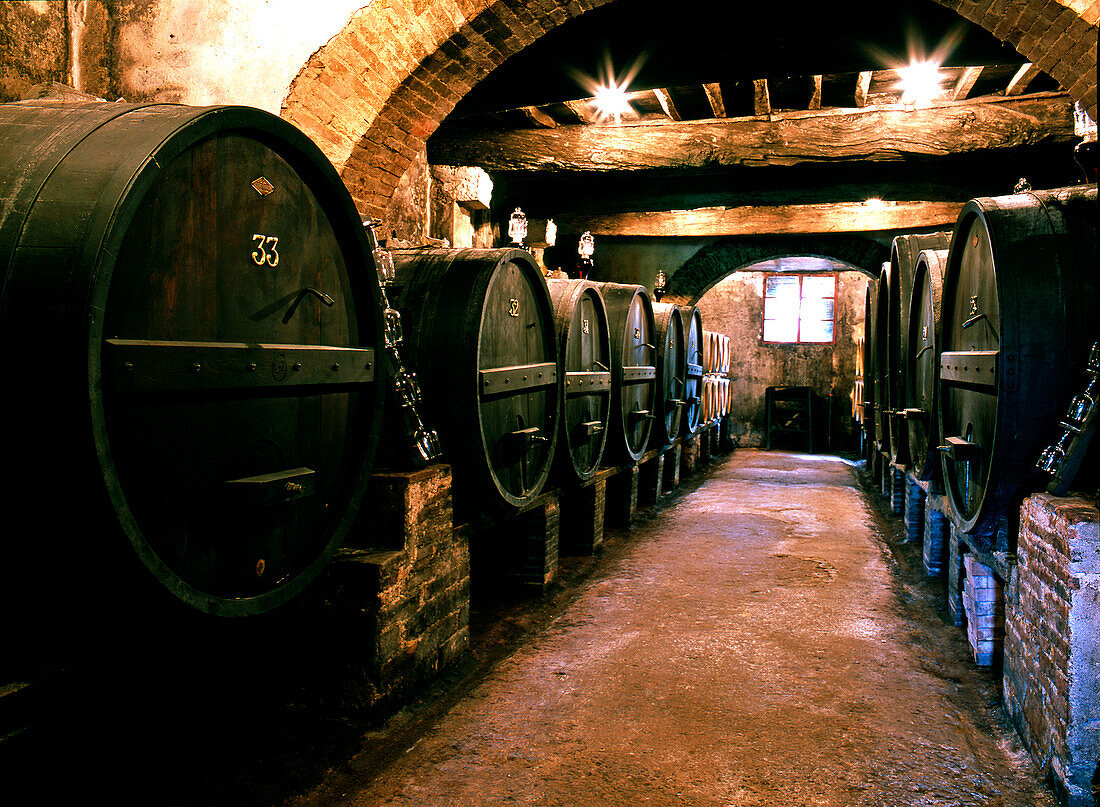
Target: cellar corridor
{"type": "Point", "coordinates": [768, 639]}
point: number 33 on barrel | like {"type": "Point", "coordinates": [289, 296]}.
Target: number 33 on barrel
{"type": "Point", "coordinates": [266, 250]}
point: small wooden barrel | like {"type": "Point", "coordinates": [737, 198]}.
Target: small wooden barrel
{"type": "Point", "coordinates": [693, 351]}
{"type": "Point", "coordinates": [922, 369]}
{"type": "Point", "coordinates": [480, 333]}
{"type": "Point", "coordinates": [1019, 315]}
{"type": "Point", "coordinates": [198, 342]}
{"type": "Point", "coordinates": [671, 372]}
{"type": "Point", "coordinates": [633, 370]}
{"type": "Point", "coordinates": [881, 367]}
{"type": "Point", "coordinates": [584, 353]}
{"type": "Point", "coordinates": [903, 265]}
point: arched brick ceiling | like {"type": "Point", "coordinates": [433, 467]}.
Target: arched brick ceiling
{"type": "Point", "coordinates": [717, 260]}
{"type": "Point", "coordinates": [374, 94]}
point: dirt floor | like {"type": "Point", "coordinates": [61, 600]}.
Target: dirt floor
{"type": "Point", "coordinates": [766, 640]}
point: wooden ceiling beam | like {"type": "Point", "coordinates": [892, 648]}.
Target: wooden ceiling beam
{"type": "Point", "coordinates": [1024, 76]}
{"type": "Point", "coordinates": [788, 138]}
{"type": "Point", "coordinates": [538, 117]}
{"type": "Point", "coordinates": [761, 100]}
{"type": "Point", "coordinates": [863, 88]}
{"type": "Point", "coordinates": [582, 110]}
{"type": "Point", "coordinates": [815, 93]}
{"type": "Point", "coordinates": [664, 98]}
{"type": "Point", "coordinates": [717, 102]}
{"type": "Point", "coordinates": [707, 222]}
{"type": "Point", "coordinates": [965, 83]}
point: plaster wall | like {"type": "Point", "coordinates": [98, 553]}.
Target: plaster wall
{"type": "Point", "coordinates": [735, 307]}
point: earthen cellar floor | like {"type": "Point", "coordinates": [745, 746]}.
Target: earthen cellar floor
{"type": "Point", "coordinates": [765, 640]}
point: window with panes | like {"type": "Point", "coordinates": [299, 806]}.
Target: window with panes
{"type": "Point", "coordinates": [800, 308]}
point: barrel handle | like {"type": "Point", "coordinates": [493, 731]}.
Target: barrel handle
{"type": "Point", "coordinates": [320, 295]}
{"type": "Point", "coordinates": [973, 320]}
{"type": "Point", "coordinates": [922, 351]}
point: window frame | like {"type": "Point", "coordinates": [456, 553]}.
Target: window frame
{"type": "Point", "coordinates": [801, 276]}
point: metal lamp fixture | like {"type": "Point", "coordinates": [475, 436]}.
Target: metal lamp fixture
{"type": "Point", "coordinates": [517, 227]}
{"type": "Point", "coordinates": [660, 285]}
{"type": "Point", "coordinates": [585, 248]}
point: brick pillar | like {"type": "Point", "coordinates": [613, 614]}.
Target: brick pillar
{"type": "Point", "coordinates": [622, 497]}
{"type": "Point", "coordinates": [672, 468]}
{"type": "Point", "coordinates": [984, 609]}
{"type": "Point", "coordinates": [894, 488]}
{"type": "Point", "coordinates": [539, 537]}
{"type": "Point", "coordinates": [954, 578]}
{"type": "Point", "coordinates": [884, 478]}
{"type": "Point", "coordinates": [650, 476]}
{"type": "Point", "coordinates": [689, 457]}
{"type": "Point", "coordinates": [937, 525]}
{"type": "Point", "coordinates": [914, 510]}
{"type": "Point", "coordinates": [1052, 641]}
{"type": "Point", "coordinates": [582, 515]}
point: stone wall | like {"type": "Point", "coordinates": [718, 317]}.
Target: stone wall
{"type": "Point", "coordinates": [735, 307]}
{"type": "Point", "coordinates": [1052, 641]}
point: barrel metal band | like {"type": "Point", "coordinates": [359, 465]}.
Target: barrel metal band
{"type": "Point", "coordinates": [587, 383]}
{"type": "Point", "coordinates": [636, 374]}
{"type": "Point", "coordinates": [976, 368]}
{"type": "Point", "coordinates": [146, 365]}
{"type": "Point", "coordinates": [508, 380]}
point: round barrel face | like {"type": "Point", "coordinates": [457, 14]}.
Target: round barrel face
{"type": "Point", "coordinates": [587, 360]}
{"type": "Point", "coordinates": [693, 378]}
{"type": "Point", "coordinates": [923, 373]}
{"type": "Point", "coordinates": [517, 365]}
{"type": "Point", "coordinates": [637, 356]}
{"type": "Point", "coordinates": [233, 375]}
{"type": "Point", "coordinates": [671, 360]}
{"type": "Point", "coordinates": [968, 403]}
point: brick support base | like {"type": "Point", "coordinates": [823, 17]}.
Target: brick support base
{"type": "Point", "coordinates": [650, 478]}
{"type": "Point", "coordinates": [937, 526]}
{"type": "Point", "coordinates": [914, 510]}
{"type": "Point", "coordinates": [622, 497]}
{"type": "Point", "coordinates": [582, 517]}
{"type": "Point", "coordinates": [672, 468]}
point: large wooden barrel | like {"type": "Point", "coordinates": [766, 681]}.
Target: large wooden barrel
{"type": "Point", "coordinates": [693, 386]}
{"type": "Point", "coordinates": [191, 325]}
{"type": "Point", "coordinates": [1019, 313]}
{"type": "Point", "coordinates": [869, 309]}
{"type": "Point", "coordinates": [922, 369]}
{"type": "Point", "coordinates": [903, 264]}
{"type": "Point", "coordinates": [584, 353]}
{"type": "Point", "coordinates": [671, 371]}
{"type": "Point", "coordinates": [880, 369]}
{"type": "Point", "coordinates": [633, 370]}
{"type": "Point", "coordinates": [480, 332]}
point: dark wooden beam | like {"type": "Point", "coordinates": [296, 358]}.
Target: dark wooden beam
{"type": "Point", "coordinates": [863, 88]}
{"type": "Point", "coordinates": [761, 101]}
{"type": "Point", "coordinates": [842, 217]}
{"type": "Point", "coordinates": [714, 96]}
{"type": "Point", "coordinates": [667, 104]}
{"type": "Point", "coordinates": [582, 110]}
{"type": "Point", "coordinates": [965, 83]}
{"type": "Point", "coordinates": [538, 117]}
{"type": "Point", "coordinates": [1024, 76]}
{"type": "Point", "coordinates": [788, 138]}
{"type": "Point", "coordinates": [815, 92]}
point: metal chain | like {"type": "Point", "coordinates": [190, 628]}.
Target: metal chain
{"type": "Point", "coordinates": [422, 441]}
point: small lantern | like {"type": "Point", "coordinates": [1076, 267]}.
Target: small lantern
{"type": "Point", "coordinates": [660, 286]}
{"type": "Point", "coordinates": [585, 248]}
{"type": "Point", "coordinates": [517, 227]}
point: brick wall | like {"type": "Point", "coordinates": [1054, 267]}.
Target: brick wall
{"type": "Point", "coordinates": [373, 95]}
{"type": "Point", "coordinates": [1052, 649]}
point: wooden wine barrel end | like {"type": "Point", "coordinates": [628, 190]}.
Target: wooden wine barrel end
{"type": "Point", "coordinates": [204, 364]}
{"type": "Point", "coordinates": [922, 366]}
{"type": "Point", "coordinates": [633, 370]}
{"type": "Point", "coordinates": [693, 351]}
{"type": "Point", "coordinates": [671, 370]}
{"type": "Point", "coordinates": [881, 368]}
{"type": "Point", "coordinates": [869, 364]}
{"type": "Point", "coordinates": [1019, 306]}
{"type": "Point", "coordinates": [584, 351]}
{"type": "Point", "coordinates": [480, 333]}
{"type": "Point", "coordinates": [903, 263]}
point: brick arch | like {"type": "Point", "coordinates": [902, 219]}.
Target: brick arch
{"type": "Point", "coordinates": [703, 270]}
{"type": "Point", "coordinates": [373, 95]}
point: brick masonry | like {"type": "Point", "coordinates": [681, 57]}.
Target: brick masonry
{"type": "Point", "coordinates": [937, 528]}
{"type": "Point", "coordinates": [983, 610]}
{"type": "Point", "coordinates": [914, 511]}
{"type": "Point", "coordinates": [373, 95]}
{"type": "Point", "coordinates": [1052, 644]}
{"type": "Point", "coordinates": [398, 599]}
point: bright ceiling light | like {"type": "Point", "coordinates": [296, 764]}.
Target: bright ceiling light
{"type": "Point", "coordinates": [612, 101]}
{"type": "Point", "coordinates": [920, 82]}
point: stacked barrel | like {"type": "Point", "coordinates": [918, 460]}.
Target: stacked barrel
{"type": "Point", "coordinates": [975, 343]}
{"type": "Point", "coordinates": [716, 385]}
